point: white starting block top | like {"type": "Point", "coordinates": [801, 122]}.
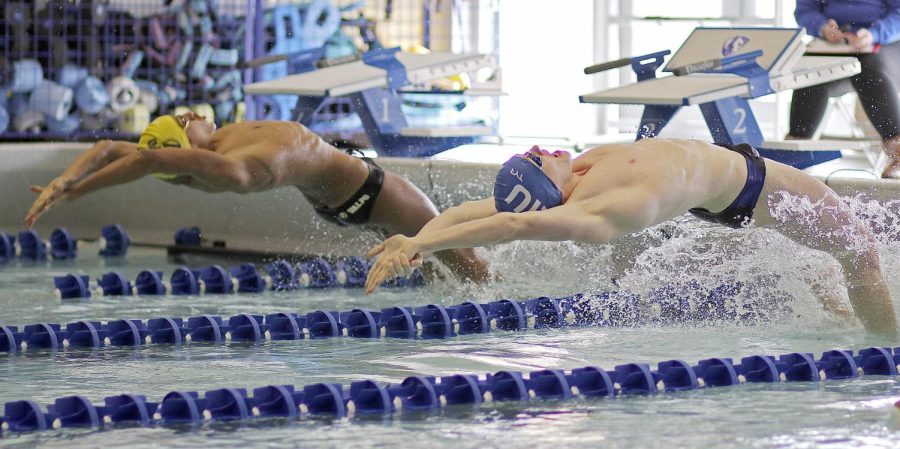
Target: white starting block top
{"type": "Point", "coordinates": [357, 76]}
{"type": "Point", "coordinates": [787, 69]}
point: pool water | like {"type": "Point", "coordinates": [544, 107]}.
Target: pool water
{"type": "Point", "coordinates": [851, 413]}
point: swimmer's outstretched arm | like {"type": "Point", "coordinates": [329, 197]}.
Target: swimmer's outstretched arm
{"type": "Point", "coordinates": [398, 255]}
{"type": "Point", "coordinates": [214, 171]}
{"type": "Point", "coordinates": [467, 211]}
{"type": "Point", "coordinates": [592, 220]}
{"type": "Point", "coordinates": [98, 156]}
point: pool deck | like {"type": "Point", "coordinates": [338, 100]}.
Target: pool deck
{"type": "Point", "coordinates": [277, 221]}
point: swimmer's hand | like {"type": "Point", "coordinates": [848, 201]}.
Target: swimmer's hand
{"type": "Point", "coordinates": [396, 256]}
{"type": "Point", "coordinates": [58, 191]}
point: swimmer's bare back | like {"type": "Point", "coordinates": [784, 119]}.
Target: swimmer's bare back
{"type": "Point", "coordinates": [289, 154]}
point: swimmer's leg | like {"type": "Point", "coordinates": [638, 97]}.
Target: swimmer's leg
{"type": "Point", "coordinates": [832, 227]}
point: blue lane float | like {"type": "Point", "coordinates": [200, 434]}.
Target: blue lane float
{"type": "Point", "coordinates": [184, 281]}
{"type": "Point", "coordinates": [28, 246]}
{"type": "Point", "coordinates": [316, 273]}
{"type": "Point", "coordinates": [32, 247]}
{"type": "Point", "coordinates": [249, 280]}
{"type": "Point", "coordinates": [429, 322]}
{"type": "Point", "coordinates": [149, 282]}
{"type": "Point", "coordinates": [114, 241]}
{"type": "Point", "coordinates": [434, 321]}
{"type": "Point", "coordinates": [246, 278]}
{"type": "Point", "coordinates": [114, 283]}
{"type": "Point", "coordinates": [282, 276]}
{"type": "Point", "coordinates": [189, 236]}
{"type": "Point", "coordinates": [72, 286]}
{"type": "Point", "coordinates": [351, 271]}
{"type": "Point", "coordinates": [7, 247]}
{"type": "Point", "coordinates": [63, 245]}
{"type": "Point", "coordinates": [425, 393]}
{"type": "Point", "coordinates": [217, 280]}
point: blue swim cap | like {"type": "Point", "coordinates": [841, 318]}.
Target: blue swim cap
{"type": "Point", "coordinates": [522, 186]}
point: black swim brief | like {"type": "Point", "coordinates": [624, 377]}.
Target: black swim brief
{"type": "Point", "coordinates": [739, 213]}
{"type": "Point", "coordinates": [358, 208]}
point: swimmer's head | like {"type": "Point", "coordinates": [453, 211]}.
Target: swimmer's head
{"type": "Point", "coordinates": [529, 181]}
{"type": "Point", "coordinates": [164, 131]}
{"type": "Point", "coordinates": [176, 131]}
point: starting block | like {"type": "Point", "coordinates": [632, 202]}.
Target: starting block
{"type": "Point", "coordinates": [720, 69]}
{"type": "Point", "coordinates": [373, 86]}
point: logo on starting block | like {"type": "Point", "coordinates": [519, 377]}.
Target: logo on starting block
{"type": "Point", "coordinates": [733, 45]}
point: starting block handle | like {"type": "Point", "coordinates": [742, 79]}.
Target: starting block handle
{"type": "Point", "coordinates": [264, 60]}
{"type": "Point", "coordinates": [386, 59]}
{"type": "Point", "coordinates": [644, 66]}
{"type": "Point", "coordinates": [609, 65]}
{"type": "Point", "coordinates": [725, 64]}
{"type": "Point", "coordinates": [298, 62]}
{"type": "Point", "coordinates": [743, 64]}
{"type": "Point", "coordinates": [738, 61]}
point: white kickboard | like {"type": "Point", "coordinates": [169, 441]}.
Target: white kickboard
{"type": "Point", "coordinates": [357, 76]}
{"type": "Point", "coordinates": [698, 88]}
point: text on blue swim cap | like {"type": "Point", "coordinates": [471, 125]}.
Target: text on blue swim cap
{"type": "Point", "coordinates": [522, 186]}
{"type": "Point", "coordinates": [526, 200]}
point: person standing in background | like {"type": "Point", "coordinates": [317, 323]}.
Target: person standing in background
{"type": "Point", "coordinates": [872, 28]}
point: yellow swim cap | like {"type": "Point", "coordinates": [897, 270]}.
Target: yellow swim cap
{"type": "Point", "coordinates": [165, 131]}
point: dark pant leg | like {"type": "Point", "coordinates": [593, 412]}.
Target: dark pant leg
{"type": "Point", "coordinates": [808, 106]}
{"type": "Point", "coordinates": [876, 86]}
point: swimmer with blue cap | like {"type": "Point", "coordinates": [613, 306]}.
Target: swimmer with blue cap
{"type": "Point", "coordinates": [522, 185]}
{"type": "Point", "coordinates": [256, 156]}
{"type": "Point", "coordinates": [616, 190]}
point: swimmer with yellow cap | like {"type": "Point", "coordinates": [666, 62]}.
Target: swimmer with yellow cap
{"type": "Point", "coordinates": [255, 156]}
